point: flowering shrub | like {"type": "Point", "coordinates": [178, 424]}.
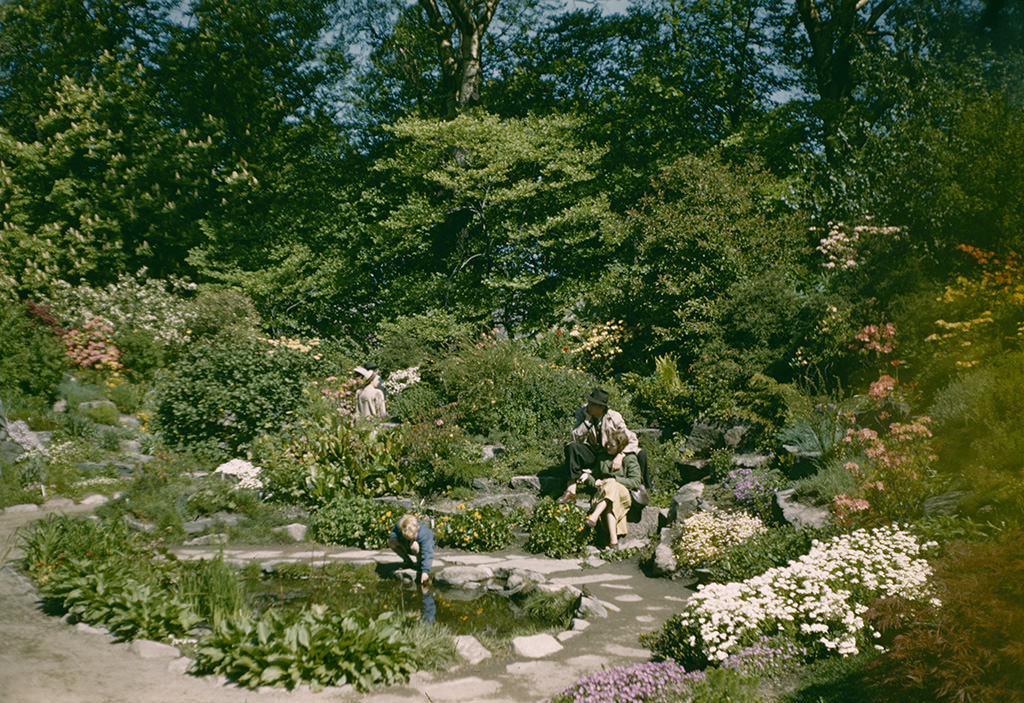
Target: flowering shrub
{"type": "Point", "coordinates": [637, 683]}
{"type": "Point", "coordinates": [755, 489]}
{"type": "Point", "coordinates": [398, 381]}
{"type": "Point", "coordinates": [247, 474]}
{"type": "Point", "coordinates": [894, 474]}
{"type": "Point", "coordinates": [132, 303]}
{"type": "Point", "coordinates": [767, 657]}
{"type": "Point", "coordinates": [846, 247]}
{"type": "Point", "coordinates": [774, 547]}
{"type": "Point", "coordinates": [91, 345]}
{"type": "Point", "coordinates": [706, 536]}
{"type": "Point", "coordinates": [483, 529]}
{"type": "Point", "coordinates": [558, 530]}
{"type": "Point", "coordinates": [817, 602]}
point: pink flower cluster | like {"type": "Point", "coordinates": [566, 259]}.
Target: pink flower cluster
{"type": "Point", "coordinates": [91, 346]}
{"type": "Point", "coordinates": [845, 248]}
{"type": "Point", "coordinates": [843, 506]}
{"type": "Point", "coordinates": [882, 388]}
{"type": "Point", "coordinates": [877, 338]}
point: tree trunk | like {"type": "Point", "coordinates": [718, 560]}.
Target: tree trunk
{"type": "Point", "coordinates": [461, 68]}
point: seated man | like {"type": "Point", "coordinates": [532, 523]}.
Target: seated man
{"type": "Point", "coordinates": [414, 542]}
{"type": "Point", "coordinates": [603, 454]}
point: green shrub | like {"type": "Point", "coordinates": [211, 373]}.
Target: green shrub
{"type": "Point", "coordinates": [212, 589]}
{"type": "Point", "coordinates": [128, 397]}
{"type": "Point", "coordinates": [75, 426]}
{"type": "Point", "coordinates": [103, 415]}
{"type": "Point", "coordinates": [312, 646]}
{"type": "Point", "coordinates": [765, 550]}
{"type": "Point", "coordinates": [354, 522]}
{"type": "Point", "coordinates": [156, 496]}
{"type": "Point", "coordinates": [414, 402]}
{"type": "Point", "coordinates": [558, 530]}
{"type": "Point", "coordinates": [216, 495]}
{"type": "Point", "coordinates": [435, 451]}
{"type": "Point", "coordinates": [725, 686]}
{"type": "Point", "coordinates": [226, 391]}
{"type": "Point", "coordinates": [222, 312]}
{"type": "Point", "coordinates": [482, 529]}
{"type": "Point", "coordinates": [142, 352]}
{"type": "Point", "coordinates": [77, 391]}
{"type": "Point", "coordinates": [32, 360]}
{"type": "Point", "coordinates": [831, 480]}
{"type": "Point", "coordinates": [834, 680]}
{"type": "Point", "coordinates": [413, 340]}
{"type": "Point", "coordinates": [505, 393]}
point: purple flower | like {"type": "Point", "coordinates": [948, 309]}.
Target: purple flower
{"type": "Point", "coordinates": [637, 683]}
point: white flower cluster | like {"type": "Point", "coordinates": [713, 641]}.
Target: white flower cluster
{"type": "Point", "coordinates": [248, 475]}
{"type": "Point", "coordinates": [817, 600]}
{"type": "Point", "coordinates": [706, 536]}
{"type": "Point", "coordinates": [845, 248]}
{"type": "Point", "coordinates": [399, 380]}
{"type": "Point", "coordinates": [130, 304]}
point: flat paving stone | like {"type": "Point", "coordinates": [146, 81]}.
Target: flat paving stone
{"type": "Point", "coordinates": [470, 688]}
{"type": "Point", "coordinates": [619, 586]}
{"type": "Point", "coordinates": [657, 608]}
{"type": "Point", "coordinates": [674, 598]}
{"type": "Point", "coordinates": [472, 559]}
{"type": "Point", "coordinates": [629, 598]}
{"type": "Point", "coordinates": [543, 566]}
{"type": "Point", "coordinates": [359, 554]}
{"type": "Point", "coordinates": [610, 606]}
{"type": "Point", "coordinates": [645, 618]}
{"type": "Point", "coordinates": [622, 651]}
{"type": "Point", "coordinates": [590, 578]}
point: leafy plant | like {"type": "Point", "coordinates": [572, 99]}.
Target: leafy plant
{"type": "Point", "coordinates": [764, 550]}
{"type": "Point", "coordinates": [313, 646]}
{"type": "Point", "coordinates": [558, 530]}
{"type": "Point", "coordinates": [225, 391]}
{"type": "Point", "coordinates": [482, 529]}
{"type": "Point", "coordinates": [755, 489]}
{"type": "Point", "coordinates": [105, 414]}
{"type": "Point", "coordinates": [356, 522]}
{"type": "Point", "coordinates": [32, 358]}
{"type": "Point", "coordinates": [217, 495]}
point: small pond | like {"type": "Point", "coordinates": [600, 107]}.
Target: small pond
{"type": "Point", "coordinates": [343, 586]}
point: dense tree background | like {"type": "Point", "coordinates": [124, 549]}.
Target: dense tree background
{"type": "Point", "coordinates": [515, 162]}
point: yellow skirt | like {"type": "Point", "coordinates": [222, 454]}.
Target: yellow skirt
{"type": "Point", "coordinates": [618, 495]}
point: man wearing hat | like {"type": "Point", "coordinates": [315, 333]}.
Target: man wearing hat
{"type": "Point", "coordinates": [369, 397]}
{"type": "Point", "coordinates": [603, 454]}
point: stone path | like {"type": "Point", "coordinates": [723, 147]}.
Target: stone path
{"type": "Point", "coordinates": [634, 604]}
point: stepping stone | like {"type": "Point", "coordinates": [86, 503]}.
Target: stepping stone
{"type": "Point", "coordinates": [645, 618]}
{"type": "Point", "coordinates": [621, 651]}
{"type": "Point", "coordinates": [535, 646]}
{"type": "Point", "coordinates": [471, 559]}
{"type": "Point", "coordinates": [591, 578]}
{"type": "Point", "coordinates": [578, 624]}
{"type": "Point", "coordinates": [148, 649]}
{"type": "Point", "coordinates": [21, 508]}
{"type": "Point", "coordinates": [590, 662]}
{"type": "Point", "coordinates": [656, 608]}
{"type": "Point", "coordinates": [95, 499]}
{"type": "Point", "coordinates": [467, 689]}
{"type": "Point", "coordinates": [179, 666]}
{"type": "Point", "coordinates": [567, 635]}
{"type": "Point", "coordinates": [629, 598]}
{"type": "Point", "coordinates": [59, 503]}
{"type": "Point", "coordinates": [470, 649]}
{"type": "Point", "coordinates": [611, 606]}
{"type": "Point", "coordinates": [85, 627]}
{"type": "Point", "coordinates": [620, 586]}
{"type": "Point", "coordinates": [544, 566]}
{"type": "Point", "coordinates": [677, 600]}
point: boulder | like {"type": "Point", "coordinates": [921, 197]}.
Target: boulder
{"type": "Point", "coordinates": [652, 433]}
{"type": "Point", "coordinates": [95, 499]}
{"type": "Point", "coordinates": [179, 666]}
{"type": "Point", "coordinates": [470, 649]}
{"type": "Point", "coordinates": [750, 461]}
{"type": "Point", "coordinates": [90, 404]}
{"type": "Point", "coordinates": [492, 451]}
{"type": "Point", "coordinates": [651, 520]}
{"type": "Point", "coordinates": [463, 576]}
{"type": "Point", "coordinates": [61, 406]}
{"type": "Point", "coordinates": [482, 484]}
{"type": "Point", "coordinates": [203, 540]}
{"type": "Point", "coordinates": [590, 607]}
{"type": "Point", "coordinates": [705, 436]}
{"type": "Point", "coordinates": [733, 436]}
{"type": "Point", "coordinates": [131, 446]}
{"type": "Point", "coordinates": [19, 433]}
{"type": "Point", "coordinates": [686, 502]}
{"type": "Point", "coordinates": [797, 514]}
{"type": "Point", "coordinates": [85, 627]}
{"type": "Point", "coordinates": [664, 561]}
{"type": "Point", "coordinates": [535, 646]}
{"type": "Point", "coordinates": [691, 470]}
{"type": "Point", "coordinates": [525, 483]}
{"type": "Point", "coordinates": [137, 524]}
{"type": "Point", "coordinates": [944, 503]}
{"type": "Point", "coordinates": [296, 530]}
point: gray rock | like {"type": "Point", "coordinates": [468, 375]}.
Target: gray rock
{"type": "Point", "coordinates": [594, 561]}
{"type": "Point", "coordinates": [578, 624]}
{"type": "Point", "coordinates": [179, 666]}
{"type": "Point", "coordinates": [85, 627]}
{"type": "Point", "coordinates": [535, 646]}
{"type": "Point", "coordinates": [798, 514]}
{"type": "Point", "coordinates": [131, 446]}
{"type": "Point", "coordinates": [944, 503]}
{"type": "Point", "coordinates": [61, 406]}
{"type": "Point", "coordinates": [691, 470]}
{"type": "Point", "coordinates": [493, 451]}
{"type": "Point", "coordinates": [148, 649]}
{"type": "Point", "coordinates": [652, 433]}
{"type": "Point", "coordinates": [565, 589]}
{"type": "Point", "coordinates": [202, 540]}
{"type": "Point", "coordinates": [664, 562]}
{"type": "Point", "coordinates": [470, 649]}
{"type": "Point", "coordinates": [705, 436]}
{"type": "Point", "coordinates": [463, 576]}
{"type": "Point", "coordinates": [750, 461]}
{"type": "Point", "coordinates": [525, 483]}
{"type": "Point", "coordinates": [138, 525]}
{"type": "Point", "coordinates": [651, 520]}
{"type": "Point", "coordinates": [733, 436]}
{"type": "Point", "coordinates": [686, 501]}
{"type": "Point", "coordinates": [95, 499]}
{"type": "Point", "coordinates": [130, 421]}
{"type": "Point", "coordinates": [567, 635]}
{"type": "Point", "coordinates": [19, 433]}
{"type": "Point", "coordinates": [59, 503]}
{"type": "Point", "coordinates": [21, 508]}
{"type": "Point", "coordinates": [482, 484]}
{"type": "Point", "coordinates": [590, 607]}
{"type": "Point", "coordinates": [296, 530]}
{"type": "Point", "coordinates": [204, 523]}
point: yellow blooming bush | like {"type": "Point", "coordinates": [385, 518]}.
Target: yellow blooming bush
{"type": "Point", "coordinates": [706, 536]}
{"type": "Point", "coordinates": [481, 529]}
{"type": "Point", "coordinates": [558, 530]}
